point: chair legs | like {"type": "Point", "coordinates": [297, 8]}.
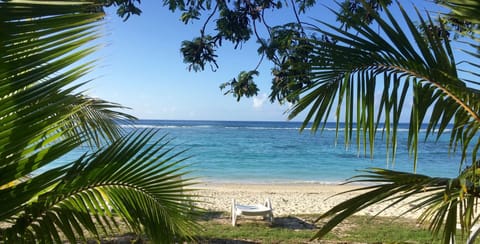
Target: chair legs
{"type": "Point", "coordinates": [270, 218]}
{"type": "Point", "coordinates": [234, 213]}
{"type": "Point", "coordinates": [234, 220]}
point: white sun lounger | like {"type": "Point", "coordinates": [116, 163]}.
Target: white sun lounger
{"type": "Point", "coordinates": [474, 233]}
{"type": "Point", "coordinates": [252, 210]}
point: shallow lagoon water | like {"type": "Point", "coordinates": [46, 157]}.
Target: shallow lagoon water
{"type": "Point", "coordinates": [276, 152]}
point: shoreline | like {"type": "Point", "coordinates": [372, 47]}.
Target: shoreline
{"type": "Point", "coordinates": [289, 199]}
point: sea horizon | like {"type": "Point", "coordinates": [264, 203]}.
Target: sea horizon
{"type": "Point", "coordinates": [275, 152]}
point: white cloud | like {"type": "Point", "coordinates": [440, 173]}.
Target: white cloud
{"type": "Point", "coordinates": [260, 100]}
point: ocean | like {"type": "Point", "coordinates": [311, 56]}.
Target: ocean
{"type": "Point", "coordinates": [276, 152]}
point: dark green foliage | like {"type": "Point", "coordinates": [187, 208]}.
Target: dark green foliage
{"type": "Point", "coordinates": [290, 50]}
{"type": "Point", "coordinates": [243, 85]}
{"type": "Point", "coordinates": [125, 7]}
{"type": "Point", "coordinates": [238, 21]}
{"type": "Point", "coordinates": [362, 10]}
{"type": "Point", "coordinates": [234, 26]}
{"type": "Point", "coordinates": [199, 52]}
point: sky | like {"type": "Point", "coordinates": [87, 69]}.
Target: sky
{"type": "Point", "coordinates": [141, 67]}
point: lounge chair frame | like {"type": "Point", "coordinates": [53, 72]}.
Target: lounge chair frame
{"type": "Point", "coordinates": [266, 211]}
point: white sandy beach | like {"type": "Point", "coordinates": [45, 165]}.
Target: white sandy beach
{"type": "Point", "coordinates": [287, 199]}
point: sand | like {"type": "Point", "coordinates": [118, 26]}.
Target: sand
{"type": "Point", "coordinates": [288, 199]}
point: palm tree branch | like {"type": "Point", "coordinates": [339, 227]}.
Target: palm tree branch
{"type": "Point", "coordinates": [425, 192]}
{"type": "Point", "coordinates": [447, 91]}
{"type": "Point", "coordinates": [155, 192]}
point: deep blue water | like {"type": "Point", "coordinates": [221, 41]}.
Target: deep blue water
{"type": "Point", "coordinates": [269, 152]}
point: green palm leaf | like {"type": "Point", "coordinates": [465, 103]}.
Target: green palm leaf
{"type": "Point", "coordinates": [43, 38]}
{"type": "Point", "coordinates": [97, 120]}
{"type": "Point", "coordinates": [43, 116]}
{"type": "Point", "coordinates": [407, 62]}
{"type": "Point", "coordinates": [442, 200]}
{"type": "Point", "coordinates": [347, 72]}
{"type": "Point", "coordinates": [39, 110]}
{"type": "Point", "coordinates": [465, 9]}
{"type": "Point", "coordinates": [132, 179]}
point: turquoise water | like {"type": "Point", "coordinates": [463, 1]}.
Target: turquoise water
{"type": "Point", "coordinates": [276, 152]}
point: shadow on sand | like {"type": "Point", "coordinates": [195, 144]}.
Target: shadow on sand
{"type": "Point", "coordinates": [210, 215]}
{"type": "Point", "coordinates": [292, 223]}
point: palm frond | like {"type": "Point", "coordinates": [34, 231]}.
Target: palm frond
{"type": "Point", "coordinates": [132, 179]}
{"type": "Point", "coordinates": [407, 62]}
{"type": "Point", "coordinates": [43, 39]}
{"type": "Point", "coordinates": [468, 10]}
{"type": "Point", "coordinates": [421, 64]}
{"type": "Point", "coordinates": [441, 200]}
{"type": "Point", "coordinates": [98, 120]}
{"type": "Point", "coordinates": [41, 115]}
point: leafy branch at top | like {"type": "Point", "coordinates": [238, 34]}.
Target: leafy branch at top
{"type": "Point", "coordinates": [239, 21]}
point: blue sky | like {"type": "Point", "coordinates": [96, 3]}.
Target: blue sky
{"type": "Point", "coordinates": [141, 67]}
